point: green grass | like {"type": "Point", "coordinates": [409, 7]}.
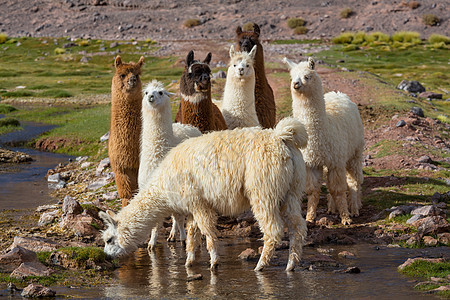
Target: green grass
{"type": "Point", "coordinates": [6, 108]}
{"type": "Point", "coordinates": [83, 254]}
{"type": "Point", "coordinates": [426, 270]}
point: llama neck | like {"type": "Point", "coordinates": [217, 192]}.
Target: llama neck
{"type": "Point", "coordinates": [197, 114]}
{"type": "Point", "coordinates": [138, 218]}
{"type": "Point", "coordinates": [309, 108]}
{"type": "Point", "coordinates": [239, 97]}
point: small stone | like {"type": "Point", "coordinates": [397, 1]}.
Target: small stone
{"type": "Point", "coordinates": [98, 183]}
{"type": "Point", "coordinates": [104, 137]}
{"type": "Point", "coordinates": [417, 111]}
{"type": "Point", "coordinates": [48, 217]}
{"type": "Point", "coordinates": [34, 268]}
{"type": "Point", "coordinates": [414, 219]}
{"type": "Point", "coordinates": [425, 159]}
{"type": "Point", "coordinates": [396, 213]}
{"type": "Point", "coordinates": [444, 238]}
{"type": "Point", "coordinates": [400, 123]}
{"type": "Point", "coordinates": [54, 178]}
{"type": "Point", "coordinates": [346, 254]}
{"type": "Point", "coordinates": [37, 291]}
{"type": "Point", "coordinates": [430, 95]}
{"type": "Point", "coordinates": [110, 196]}
{"type": "Point", "coordinates": [429, 241]}
{"type": "Point", "coordinates": [194, 277]}
{"type": "Point", "coordinates": [71, 206]}
{"type": "Point", "coordinates": [248, 254]}
{"type": "Point", "coordinates": [85, 165]}
{"type": "Point", "coordinates": [411, 86]}
{"type": "Point", "coordinates": [102, 165]}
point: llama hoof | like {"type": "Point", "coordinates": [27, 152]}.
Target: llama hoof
{"type": "Point", "coordinates": [346, 221]}
{"type": "Point", "coordinates": [171, 239]}
{"type": "Point", "coordinates": [290, 266]}
{"type": "Point", "coordinates": [259, 267]}
{"type": "Point", "coordinates": [214, 266]}
{"type": "Point", "coordinates": [150, 247]}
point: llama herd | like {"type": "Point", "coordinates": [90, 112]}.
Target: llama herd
{"type": "Point", "coordinates": [224, 159]}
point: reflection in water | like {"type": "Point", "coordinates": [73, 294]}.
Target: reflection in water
{"type": "Point", "coordinates": [162, 274]}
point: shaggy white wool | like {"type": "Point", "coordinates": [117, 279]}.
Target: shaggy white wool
{"type": "Point", "coordinates": [195, 98]}
{"type": "Point", "coordinates": [238, 104]}
{"type": "Point", "coordinates": [335, 140]}
{"type": "Point", "coordinates": [223, 173]}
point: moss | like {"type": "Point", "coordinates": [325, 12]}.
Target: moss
{"type": "Point", "coordinates": [438, 38]}
{"type": "Point", "coordinates": [430, 20]}
{"type": "Point", "coordinates": [426, 269]}
{"type": "Point", "coordinates": [83, 254]}
{"type": "Point", "coordinates": [346, 13]}
{"type": "Point", "coordinates": [189, 23]}
{"type": "Point", "coordinates": [59, 51]}
{"type": "Point", "coordinates": [295, 22]}
{"type": "Point", "coordinates": [43, 256]}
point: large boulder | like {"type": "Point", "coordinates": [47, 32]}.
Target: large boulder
{"type": "Point", "coordinates": [37, 291]}
{"type": "Point", "coordinates": [412, 86]}
{"type": "Point", "coordinates": [35, 244]}
{"type": "Point", "coordinates": [71, 206]}
{"type": "Point", "coordinates": [34, 268]}
{"type": "Point", "coordinates": [15, 257]}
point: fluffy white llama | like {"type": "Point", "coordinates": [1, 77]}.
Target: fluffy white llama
{"type": "Point", "coordinates": [238, 104]}
{"type": "Point", "coordinates": [222, 173]}
{"type": "Point", "coordinates": [158, 136]}
{"type": "Point", "coordinates": [335, 141]}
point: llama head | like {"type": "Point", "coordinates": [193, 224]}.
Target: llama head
{"type": "Point", "coordinates": [246, 40]}
{"type": "Point", "coordinates": [196, 77]}
{"type": "Point", "coordinates": [155, 96]}
{"type": "Point", "coordinates": [110, 235]}
{"type": "Point", "coordinates": [303, 75]}
{"type": "Point", "coordinates": [241, 63]}
{"type": "Point", "coordinates": [127, 77]}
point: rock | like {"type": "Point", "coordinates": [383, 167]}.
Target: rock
{"type": "Point", "coordinates": [99, 183]}
{"type": "Point", "coordinates": [81, 225]}
{"type": "Point", "coordinates": [36, 244]}
{"type": "Point", "coordinates": [430, 95]}
{"type": "Point", "coordinates": [417, 111]}
{"type": "Point", "coordinates": [444, 238]}
{"type": "Point", "coordinates": [36, 291]}
{"type": "Point", "coordinates": [413, 240]}
{"type": "Point", "coordinates": [349, 270]}
{"type": "Point", "coordinates": [414, 219]}
{"type": "Point", "coordinates": [85, 165]}
{"type": "Point", "coordinates": [104, 137]}
{"type": "Point", "coordinates": [12, 288]}
{"type": "Point", "coordinates": [325, 221]}
{"type": "Point", "coordinates": [109, 196]}
{"type": "Point", "coordinates": [412, 86]}
{"type": "Point", "coordinates": [85, 59]}
{"type": "Point", "coordinates": [48, 217]}
{"type": "Point", "coordinates": [346, 254]}
{"type": "Point", "coordinates": [35, 268]}
{"type": "Point", "coordinates": [431, 225]}
{"type": "Point", "coordinates": [442, 288]}
{"type": "Point", "coordinates": [429, 241]}
{"type": "Point", "coordinates": [46, 207]}
{"type": "Point", "coordinates": [411, 260]}
{"type": "Point", "coordinates": [71, 206]}
{"type": "Point", "coordinates": [102, 165]}
{"type": "Point", "coordinates": [194, 277]}
{"type": "Point", "coordinates": [15, 257]}
{"type": "Point", "coordinates": [219, 74]}
{"type": "Point", "coordinates": [396, 213]}
{"type": "Point", "coordinates": [54, 178]}
{"type": "Point", "coordinates": [425, 159]}
{"type": "Point", "coordinates": [320, 260]}
{"type": "Point", "coordinates": [248, 254]}
{"type": "Point", "coordinates": [428, 210]}
{"type": "Point", "coordinates": [400, 123]}
{"type": "Point", "coordinates": [113, 45]}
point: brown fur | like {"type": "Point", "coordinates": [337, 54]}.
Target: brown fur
{"type": "Point", "coordinates": [264, 100]}
{"type": "Point", "coordinates": [124, 137]}
{"type": "Point", "coordinates": [195, 81]}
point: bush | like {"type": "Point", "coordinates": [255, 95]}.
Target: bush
{"type": "Point", "coordinates": [437, 38]}
{"type": "Point", "coordinates": [247, 26]}
{"type": "Point", "coordinates": [189, 23]}
{"type": "Point", "coordinates": [406, 37]}
{"type": "Point", "coordinates": [5, 108]}
{"type": "Point", "coordinates": [59, 51]}
{"type": "Point", "coordinates": [150, 41]}
{"type": "Point", "coordinates": [295, 22]}
{"type": "Point", "coordinates": [380, 37]}
{"type": "Point", "coordinates": [300, 30]}
{"type": "Point", "coordinates": [358, 38]}
{"type": "Point", "coordinates": [83, 43]}
{"type": "Point", "coordinates": [430, 20]}
{"type": "Point", "coordinates": [9, 122]}
{"type": "Point", "coordinates": [346, 13]}
{"type": "Point", "coordinates": [3, 38]}
{"type": "Point", "coordinates": [343, 38]}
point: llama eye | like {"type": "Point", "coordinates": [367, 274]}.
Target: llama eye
{"type": "Point", "coordinates": [109, 241]}
{"type": "Point", "coordinates": [306, 77]}
{"type": "Point", "coordinates": [160, 93]}
{"type": "Point", "coordinates": [247, 66]}
{"type": "Point", "coordinates": [122, 76]}
{"type": "Point", "coordinates": [146, 93]}
{"type": "Point", "coordinates": [234, 66]}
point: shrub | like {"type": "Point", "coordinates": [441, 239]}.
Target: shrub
{"type": "Point", "coordinates": [300, 30]}
{"type": "Point", "coordinates": [406, 37]}
{"type": "Point", "coordinates": [247, 26]}
{"type": "Point", "coordinates": [5, 108]}
{"type": "Point", "coordinates": [83, 43]}
{"type": "Point", "coordinates": [189, 23]}
{"type": "Point", "coordinates": [346, 13]}
{"type": "Point", "coordinates": [440, 45]}
{"type": "Point", "coordinates": [3, 38]}
{"type": "Point", "coordinates": [380, 37]}
{"type": "Point", "coordinates": [150, 41]}
{"type": "Point", "coordinates": [350, 47]}
{"type": "Point", "coordinates": [295, 22]}
{"type": "Point", "coordinates": [59, 51]}
{"type": "Point", "coordinates": [430, 20]}
{"type": "Point", "coordinates": [358, 38]}
{"type": "Point", "coordinates": [343, 38]}
{"type": "Point", "coordinates": [437, 38]}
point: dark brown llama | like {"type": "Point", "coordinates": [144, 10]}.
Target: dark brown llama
{"type": "Point", "coordinates": [264, 100]}
{"type": "Point", "coordinates": [196, 107]}
{"type": "Point", "coordinates": [126, 123]}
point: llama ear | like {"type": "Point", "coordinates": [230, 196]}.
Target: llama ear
{"type": "Point", "coordinates": [108, 217]}
{"type": "Point", "coordinates": [238, 30]}
{"type": "Point", "coordinates": [141, 61]}
{"type": "Point", "coordinates": [256, 29]}
{"type": "Point", "coordinates": [232, 52]}
{"type": "Point", "coordinates": [252, 53]}
{"type": "Point", "coordinates": [169, 93]}
{"type": "Point", "coordinates": [189, 58]}
{"type": "Point", "coordinates": [289, 63]}
{"type": "Point", "coordinates": [117, 61]}
{"type": "Point", "coordinates": [311, 63]}
{"type": "Point", "coordinates": [207, 59]}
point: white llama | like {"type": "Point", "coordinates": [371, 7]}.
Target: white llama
{"type": "Point", "coordinates": [238, 104]}
{"type": "Point", "coordinates": [222, 173]}
{"type": "Point", "coordinates": [335, 141]}
{"type": "Point", "coordinates": [158, 136]}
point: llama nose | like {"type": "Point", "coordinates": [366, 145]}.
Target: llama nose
{"type": "Point", "coordinates": [204, 77]}
{"type": "Point", "coordinates": [151, 99]}
{"type": "Point", "coordinates": [297, 85]}
{"type": "Point", "coordinates": [132, 80]}
{"type": "Point", "coordinates": [241, 71]}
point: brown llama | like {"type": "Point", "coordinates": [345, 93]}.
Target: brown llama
{"type": "Point", "coordinates": [196, 107]}
{"type": "Point", "coordinates": [126, 123]}
{"type": "Point", "coordinates": [264, 100]}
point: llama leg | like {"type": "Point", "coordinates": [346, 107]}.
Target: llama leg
{"type": "Point", "coordinates": [338, 190]}
{"type": "Point", "coordinates": [153, 238]}
{"type": "Point", "coordinates": [180, 227]}
{"type": "Point", "coordinates": [313, 183]}
{"type": "Point", "coordinates": [123, 186]}
{"type": "Point", "coordinates": [292, 213]}
{"type": "Point", "coordinates": [192, 241]}
{"type": "Point", "coordinates": [177, 225]}
{"type": "Point", "coordinates": [206, 220]}
{"type": "Point", "coordinates": [173, 231]}
{"type": "Point", "coordinates": [271, 225]}
{"type": "Point", "coordinates": [355, 179]}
